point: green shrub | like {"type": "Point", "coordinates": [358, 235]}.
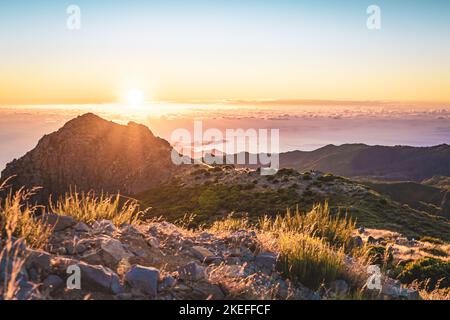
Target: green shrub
{"type": "Point", "coordinates": [287, 172]}
{"type": "Point", "coordinates": [431, 240]}
{"type": "Point", "coordinates": [198, 172]}
{"type": "Point", "coordinates": [209, 200]}
{"type": "Point", "coordinates": [379, 255]}
{"type": "Point", "coordinates": [436, 252]}
{"type": "Point", "coordinates": [308, 193]}
{"type": "Point", "coordinates": [248, 186]}
{"type": "Point", "coordinates": [435, 271]}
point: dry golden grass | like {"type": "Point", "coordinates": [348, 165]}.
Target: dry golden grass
{"type": "Point", "coordinates": [310, 260]}
{"type": "Point", "coordinates": [12, 253]}
{"type": "Point", "coordinates": [437, 294]}
{"type": "Point", "coordinates": [318, 223]}
{"type": "Point", "coordinates": [311, 245]}
{"type": "Point", "coordinates": [88, 207]}
{"type": "Point", "coordinates": [425, 247]}
{"type": "Point", "coordinates": [17, 223]}
{"type": "Point", "coordinates": [20, 218]}
{"type": "Point", "coordinates": [241, 287]}
{"type": "Point", "coordinates": [187, 221]}
{"type": "Point", "coordinates": [230, 224]}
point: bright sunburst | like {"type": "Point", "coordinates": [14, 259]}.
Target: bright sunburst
{"type": "Point", "coordinates": [135, 98]}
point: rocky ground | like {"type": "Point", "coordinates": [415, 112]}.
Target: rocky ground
{"type": "Point", "coordinates": [158, 260]}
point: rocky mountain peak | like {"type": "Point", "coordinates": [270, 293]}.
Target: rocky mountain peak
{"type": "Point", "coordinates": [91, 153]}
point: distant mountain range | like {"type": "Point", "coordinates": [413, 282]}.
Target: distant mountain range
{"type": "Point", "coordinates": [89, 152]}
{"type": "Point", "coordinates": [399, 163]}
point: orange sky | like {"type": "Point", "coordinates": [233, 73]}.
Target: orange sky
{"type": "Point", "coordinates": [275, 50]}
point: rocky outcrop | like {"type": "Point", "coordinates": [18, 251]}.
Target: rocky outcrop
{"type": "Point", "coordinates": [155, 260]}
{"type": "Point", "coordinates": [159, 260]}
{"type": "Point", "coordinates": [90, 153]}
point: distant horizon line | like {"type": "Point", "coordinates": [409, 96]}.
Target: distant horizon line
{"type": "Point", "coordinates": [256, 101]}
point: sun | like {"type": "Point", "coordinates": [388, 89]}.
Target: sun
{"type": "Point", "coordinates": [135, 98]}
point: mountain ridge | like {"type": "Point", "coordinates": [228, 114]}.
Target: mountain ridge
{"type": "Point", "coordinates": [92, 153]}
{"type": "Point", "coordinates": [401, 163]}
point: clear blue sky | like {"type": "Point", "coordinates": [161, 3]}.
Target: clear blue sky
{"type": "Point", "coordinates": [232, 49]}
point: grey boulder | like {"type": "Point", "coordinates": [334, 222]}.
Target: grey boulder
{"type": "Point", "coordinates": [145, 279]}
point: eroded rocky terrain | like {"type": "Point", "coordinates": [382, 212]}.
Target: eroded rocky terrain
{"type": "Point", "coordinates": [159, 260]}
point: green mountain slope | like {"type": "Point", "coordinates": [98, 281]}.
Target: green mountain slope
{"type": "Point", "coordinates": [212, 194]}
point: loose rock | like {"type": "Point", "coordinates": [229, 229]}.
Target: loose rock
{"type": "Point", "coordinates": [339, 288]}
{"type": "Point", "coordinates": [192, 271]}
{"type": "Point", "coordinates": [40, 260]}
{"type": "Point", "coordinates": [99, 278]}
{"type": "Point", "coordinates": [113, 248]}
{"type": "Point", "coordinates": [144, 279]}
{"type": "Point", "coordinates": [104, 226]}
{"type": "Point", "coordinates": [82, 227]}
{"type": "Point", "coordinates": [58, 222]}
{"type": "Point", "coordinates": [53, 283]}
{"type": "Point", "coordinates": [201, 253]}
{"type": "Point", "coordinates": [267, 260]}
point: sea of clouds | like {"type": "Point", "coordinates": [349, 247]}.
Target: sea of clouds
{"type": "Point", "coordinates": [301, 127]}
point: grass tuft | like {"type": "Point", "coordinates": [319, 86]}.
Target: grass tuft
{"type": "Point", "coordinates": [319, 222]}
{"type": "Point", "coordinates": [88, 207]}
{"type": "Point", "coordinates": [12, 258]}
{"type": "Point", "coordinates": [309, 260]}
{"type": "Point", "coordinates": [21, 219]}
{"type": "Point", "coordinates": [18, 227]}
{"type": "Point", "coordinates": [230, 224]}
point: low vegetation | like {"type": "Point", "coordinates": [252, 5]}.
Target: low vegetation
{"type": "Point", "coordinates": [318, 222]}
{"type": "Point", "coordinates": [21, 220]}
{"type": "Point", "coordinates": [436, 294]}
{"type": "Point", "coordinates": [211, 201]}
{"type": "Point", "coordinates": [88, 207]}
{"type": "Point", "coordinates": [230, 224]}
{"type": "Point", "coordinates": [25, 221]}
{"type": "Point", "coordinates": [206, 201]}
{"type": "Point", "coordinates": [309, 260]}
{"type": "Point", "coordinates": [17, 229]}
{"type": "Point", "coordinates": [435, 272]}
{"type": "Point", "coordinates": [11, 251]}
{"type": "Point", "coordinates": [431, 240]}
{"type": "Point", "coordinates": [379, 255]}
{"type": "Point", "coordinates": [311, 245]}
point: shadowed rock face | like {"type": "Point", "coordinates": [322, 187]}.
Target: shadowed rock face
{"type": "Point", "coordinates": [94, 154]}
